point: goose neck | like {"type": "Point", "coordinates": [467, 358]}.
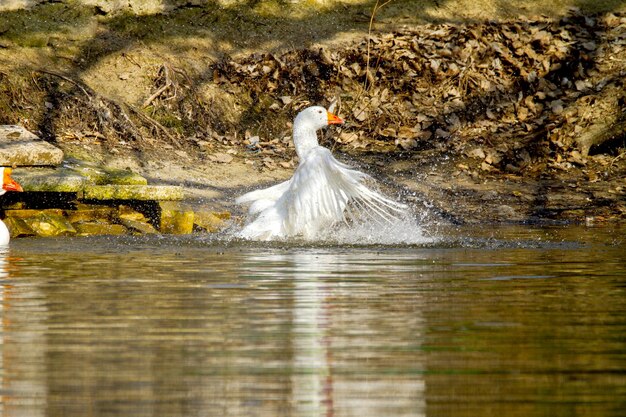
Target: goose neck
{"type": "Point", "coordinates": [304, 138]}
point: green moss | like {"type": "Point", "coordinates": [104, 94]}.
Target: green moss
{"type": "Point", "coordinates": [171, 121]}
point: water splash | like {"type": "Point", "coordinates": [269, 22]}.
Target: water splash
{"type": "Point", "coordinates": [406, 230]}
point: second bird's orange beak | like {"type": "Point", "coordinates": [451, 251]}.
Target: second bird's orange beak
{"type": "Point", "coordinates": [333, 119]}
{"type": "Point", "coordinates": [8, 183]}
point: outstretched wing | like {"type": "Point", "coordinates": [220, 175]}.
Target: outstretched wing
{"type": "Point", "coordinates": [324, 191]}
{"type": "Point", "coordinates": [261, 199]}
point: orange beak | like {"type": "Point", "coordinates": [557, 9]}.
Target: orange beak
{"type": "Point", "coordinates": [8, 183]}
{"type": "Point", "coordinates": [334, 120]}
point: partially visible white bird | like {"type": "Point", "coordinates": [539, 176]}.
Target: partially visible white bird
{"type": "Point", "coordinates": [8, 184]}
{"type": "Point", "coordinates": [321, 194]}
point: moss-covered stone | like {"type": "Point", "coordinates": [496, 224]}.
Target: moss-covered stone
{"type": "Point", "coordinates": [125, 212]}
{"type": "Point", "coordinates": [98, 228]}
{"type": "Point", "coordinates": [49, 179]}
{"type": "Point", "coordinates": [94, 174]}
{"type": "Point", "coordinates": [18, 227]}
{"type": "Point", "coordinates": [74, 177]}
{"type": "Point", "coordinates": [99, 175]}
{"type": "Point", "coordinates": [19, 147]}
{"type": "Point", "coordinates": [124, 177]}
{"type": "Point", "coordinates": [141, 227]}
{"type": "Point", "coordinates": [133, 192]}
{"type": "Point", "coordinates": [26, 213]}
{"type": "Point", "coordinates": [87, 213]}
{"type": "Point", "coordinates": [175, 219]}
{"type": "Point", "coordinates": [47, 225]}
{"type": "Point", "coordinates": [211, 221]}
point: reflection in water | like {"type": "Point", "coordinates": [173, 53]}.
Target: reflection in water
{"type": "Point", "coordinates": [22, 341]}
{"type": "Point", "coordinates": [311, 377]}
{"type": "Point", "coordinates": [323, 384]}
{"type": "Point", "coordinates": [166, 327]}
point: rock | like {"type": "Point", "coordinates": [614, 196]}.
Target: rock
{"type": "Point", "coordinates": [87, 213]}
{"type": "Point", "coordinates": [48, 179]}
{"type": "Point", "coordinates": [138, 226]}
{"type": "Point", "coordinates": [100, 175]}
{"type": "Point", "coordinates": [26, 213]}
{"type": "Point", "coordinates": [94, 174]}
{"type": "Point", "coordinates": [73, 177]}
{"type": "Point", "coordinates": [19, 147]}
{"type": "Point", "coordinates": [133, 192]}
{"type": "Point", "coordinates": [47, 225]}
{"type": "Point", "coordinates": [98, 228]}
{"type": "Point", "coordinates": [128, 213]}
{"type": "Point", "coordinates": [211, 221]}
{"type": "Point", "coordinates": [175, 219]}
{"type": "Point", "coordinates": [18, 227]}
{"type": "Point", "coordinates": [124, 177]}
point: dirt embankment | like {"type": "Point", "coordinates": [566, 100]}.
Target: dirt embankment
{"type": "Point", "coordinates": [511, 120]}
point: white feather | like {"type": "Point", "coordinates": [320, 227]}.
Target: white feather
{"type": "Point", "coordinates": [322, 193]}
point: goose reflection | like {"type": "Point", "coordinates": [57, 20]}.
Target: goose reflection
{"type": "Point", "coordinates": [341, 348]}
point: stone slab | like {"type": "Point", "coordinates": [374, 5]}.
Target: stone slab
{"type": "Point", "coordinates": [25, 213]}
{"type": "Point", "coordinates": [18, 227]}
{"type": "Point", "coordinates": [100, 175]}
{"type": "Point", "coordinates": [133, 192]}
{"type": "Point", "coordinates": [19, 147]}
{"type": "Point", "coordinates": [49, 179]}
{"type": "Point", "coordinates": [47, 225]}
{"type": "Point", "coordinates": [94, 213]}
{"type": "Point", "coordinates": [96, 228]}
{"type": "Point", "coordinates": [138, 226]}
{"type": "Point", "coordinates": [211, 221]}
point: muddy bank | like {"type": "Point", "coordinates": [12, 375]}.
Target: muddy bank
{"type": "Point", "coordinates": [515, 120]}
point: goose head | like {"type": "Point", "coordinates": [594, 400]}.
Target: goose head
{"type": "Point", "coordinates": [8, 183]}
{"type": "Point", "coordinates": [316, 117]}
{"type": "Point", "coordinates": [309, 121]}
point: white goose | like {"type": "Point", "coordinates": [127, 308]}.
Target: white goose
{"type": "Point", "coordinates": [8, 184]}
{"type": "Point", "coordinates": [321, 194]}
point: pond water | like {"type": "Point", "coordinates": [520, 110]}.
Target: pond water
{"type": "Point", "coordinates": [486, 322]}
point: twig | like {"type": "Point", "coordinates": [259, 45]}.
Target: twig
{"type": "Point", "coordinates": [617, 158]}
{"type": "Point", "coordinates": [155, 123]}
{"type": "Point", "coordinates": [131, 59]}
{"type": "Point", "coordinates": [68, 79]}
{"type": "Point", "coordinates": [168, 84]}
{"type": "Point", "coordinates": [368, 76]}
{"type": "Point", "coordinates": [126, 117]}
{"type": "Point", "coordinates": [156, 94]}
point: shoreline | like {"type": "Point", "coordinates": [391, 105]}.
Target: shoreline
{"type": "Point", "coordinates": [511, 121]}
